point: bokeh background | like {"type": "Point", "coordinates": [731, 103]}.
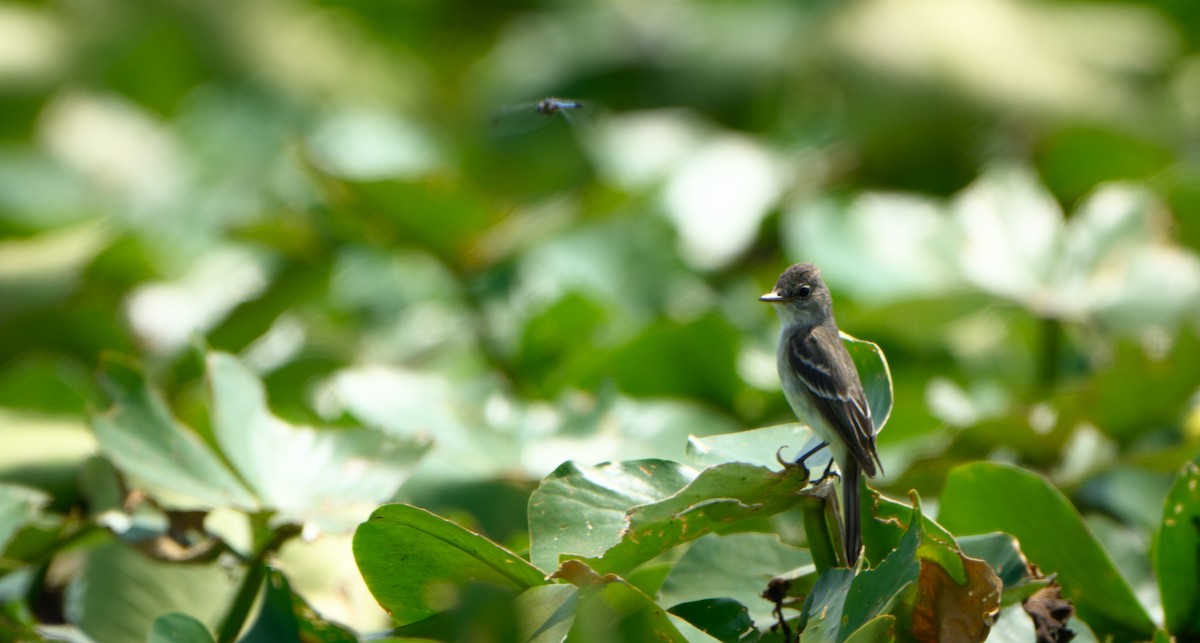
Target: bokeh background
{"type": "Point", "coordinates": [1003, 194]}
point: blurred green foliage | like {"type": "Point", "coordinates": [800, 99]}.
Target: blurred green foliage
{"type": "Point", "coordinates": [1003, 194]}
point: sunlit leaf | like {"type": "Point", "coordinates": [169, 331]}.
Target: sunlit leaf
{"type": "Point", "coordinates": [142, 438]}
{"type": "Point", "coordinates": [764, 447]}
{"type": "Point", "coordinates": [580, 510]}
{"type": "Point", "coordinates": [330, 476]}
{"type": "Point", "coordinates": [632, 528]}
{"type": "Point", "coordinates": [18, 506]}
{"type": "Point", "coordinates": [413, 561]}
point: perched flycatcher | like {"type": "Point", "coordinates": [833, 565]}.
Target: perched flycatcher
{"type": "Point", "coordinates": [823, 387]}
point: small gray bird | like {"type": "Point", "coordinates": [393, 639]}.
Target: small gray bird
{"type": "Point", "coordinates": [823, 387]}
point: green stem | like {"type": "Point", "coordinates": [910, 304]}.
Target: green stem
{"type": "Point", "coordinates": [817, 517]}
{"type": "Point", "coordinates": [1051, 346]}
{"type": "Point", "coordinates": [256, 571]}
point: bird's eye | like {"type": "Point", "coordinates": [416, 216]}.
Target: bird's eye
{"type": "Point", "coordinates": [804, 291]}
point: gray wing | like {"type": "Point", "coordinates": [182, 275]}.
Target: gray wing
{"type": "Point", "coordinates": [820, 360]}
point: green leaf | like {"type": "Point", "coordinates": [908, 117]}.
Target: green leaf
{"type": "Point", "coordinates": [880, 629]}
{"type": "Point", "coordinates": [1003, 554]}
{"type": "Point", "coordinates": [1177, 555]}
{"type": "Point", "coordinates": [178, 627]}
{"type": "Point", "coordinates": [873, 591]}
{"type": "Point", "coordinates": [166, 458]}
{"type": "Point", "coordinates": [764, 447]}
{"type": "Point", "coordinates": [890, 521]}
{"type": "Point", "coordinates": [284, 616]}
{"type": "Point", "coordinates": [724, 619]}
{"type": "Point", "coordinates": [734, 566]}
{"type": "Point", "coordinates": [412, 561]}
{"type": "Point", "coordinates": [275, 620]}
{"type": "Point", "coordinates": [822, 613]}
{"type": "Point", "coordinates": [120, 592]}
{"type": "Point", "coordinates": [580, 510]}
{"type": "Point", "coordinates": [985, 497]}
{"type": "Point", "coordinates": [330, 476]}
{"type": "Point", "coordinates": [546, 612]}
{"type": "Point", "coordinates": [719, 497]}
{"type": "Point", "coordinates": [876, 377]}
{"type": "Point", "coordinates": [18, 506]}
{"type": "Point", "coordinates": [925, 582]}
{"type": "Point", "coordinates": [617, 611]}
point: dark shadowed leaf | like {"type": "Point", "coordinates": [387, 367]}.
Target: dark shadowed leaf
{"type": "Point", "coordinates": [721, 618]}
{"type": "Point", "coordinates": [734, 566]}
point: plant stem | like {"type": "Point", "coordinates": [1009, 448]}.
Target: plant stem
{"type": "Point", "coordinates": [1051, 346]}
{"type": "Point", "coordinates": [817, 527]}
{"type": "Point", "coordinates": [256, 570]}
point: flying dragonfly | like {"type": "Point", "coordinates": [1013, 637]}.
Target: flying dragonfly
{"type": "Point", "coordinates": [525, 117]}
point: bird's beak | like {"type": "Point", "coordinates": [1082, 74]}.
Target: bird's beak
{"type": "Point", "coordinates": [771, 297]}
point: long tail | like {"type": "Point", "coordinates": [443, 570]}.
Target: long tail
{"type": "Point", "coordinates": [852, 528]}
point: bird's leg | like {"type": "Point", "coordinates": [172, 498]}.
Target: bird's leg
{"type": "Point", "coordinates": [810, 452]}
{"type": "Point", "coordinates": [829, 471]}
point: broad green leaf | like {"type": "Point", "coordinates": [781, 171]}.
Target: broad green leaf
{"type": "Point", "coordinates": [166, 458]}
{"type": "Point", "coordinates": [719, 497]}
{"type": "Point", "coordinates": [474, 612]}
{"type": "Point", "coordinates": [178, 627]}
{"type": "Point", "coordinates": [874, 591]}
{"type": "Point", "coordinates": [764, 447]}
{"type": "Point", "coordinates": [413, 560]}
{"type": "Point", "coordinates": [617, 611]}
{"type": "Point", "coordinates": [120, 592]}
{"type": "Point", "coordinates": [724, 619]}
{"type": "Point", "coordinates": [580, 510]}
{"type": "Point", "coordinates": [985, 497]}
{"type": "Point", "coordinates": [18, 506]}
{"type": "Point", "coordinates": [889, 522]}
{"type": "Point", "coordinates": [1177, 555]}
{"type": "Point", "coordinates": [876, 377]}
{"type": "Point", "coordinates": [880, 629]}
{"type": "Point", "coordinates": [330, 476]}
{"type": "Point", "coordinates": [546, 613]}
{"type": "Point", "coordinates": [734, 566]}
{"type": "Point", "coordinates": [823, 607]}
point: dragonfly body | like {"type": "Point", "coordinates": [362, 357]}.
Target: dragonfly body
{"type": "Point", "coordinates": [517, 119]}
